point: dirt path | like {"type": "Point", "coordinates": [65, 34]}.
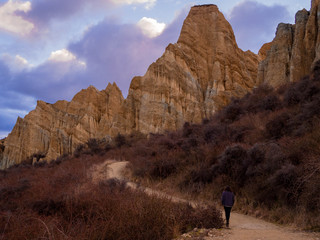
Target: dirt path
{"type": "Point", "coordinates": [242, 227]}
{"type": "Point", "coordinates": [245, 227]}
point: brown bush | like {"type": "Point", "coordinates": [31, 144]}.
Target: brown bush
{"type": "Point", "coordinates": [94, 145]}
{"type": "Point", "coordinates": [265, 145]}
{"type": "Point", "coordinates": [292, 97]}
{"type": "Point", "coordinates": [51, 203]}
{"type": "Point", "coordinates": [232, 112]}
{"type": "Point", "coordinates": [120, 140]}
{"type": "Point", "coordinates": [278, 127]}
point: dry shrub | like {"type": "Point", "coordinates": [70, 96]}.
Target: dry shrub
{"type": "Point", "coordinates": [105, 214]}
{"type": "Point", "coordinates": [271, 103]}
{"type": "Point", "coordinates": [215, 133]}
{"type": "Point", "coordinates": [52, 203]}
{"type": "Point", "coordinates": [94, 146]}
{"type": "Point", "coordinates": [261, 144]}
{"type": "Point", "coordinates": [198, 177]}
{"type": "Point", "coordinates": [233, 162]}
{"type": "Point", "coordinates": [163, 168]}
{"type": "Point", "coordinates": [120, 140]}
{"type": "Point", "coordinates": [292, 97]}
{"type": "Point", "coordinates": [265, 145]}
{"type": "Point", "coordinates": [232, 112]}
{"type": "Point", "coordinates": [278, 127]}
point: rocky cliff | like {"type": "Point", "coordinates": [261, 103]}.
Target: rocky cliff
{"type": "Point", "coordinates": [193, 78]}
{"type": "Point", "coordinates": [294, 50]}
{"type": "Point", "coordinates": [56, 129]}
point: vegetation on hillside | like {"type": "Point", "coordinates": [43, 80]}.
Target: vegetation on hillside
{"type": "Point", "coordinates": [265, 145]}
{"type": "Point", "coordinates": [60, 201]}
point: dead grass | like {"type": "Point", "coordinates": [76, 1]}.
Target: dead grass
{"type": "Point", "coordinates": [265, 145]}
{"type": "Point", "coordinates": [50, 203]}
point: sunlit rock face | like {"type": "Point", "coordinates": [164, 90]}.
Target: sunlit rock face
{"type": "Point", "coordinates": [194, 77]}
{"type": "Point", "coordinates": [294, 50]}
{"type": "Point", "coordinates": [189, 82]}
{"type": "Point", "coordinates": [57, 129]}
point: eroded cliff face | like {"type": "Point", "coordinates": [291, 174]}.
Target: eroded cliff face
{"type": "Point", "coordinates": [294, 50]}
{"type": "Point", "coordinates": [57, 129]}
{"type": "Point", "coordinates": [193, 78]}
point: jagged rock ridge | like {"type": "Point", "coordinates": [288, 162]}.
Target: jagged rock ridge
{"type": "Point", "coordinates": [57, 129]}
{"type": "Point", "coordinates": [192, 79]}
{"type": "Point", "coordinates": [294, 50]}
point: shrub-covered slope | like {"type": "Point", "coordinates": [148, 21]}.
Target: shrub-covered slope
{"type": "Point", "coordinates": [265, 145]}
{"type": "Point", "coordinates": [60, 201]}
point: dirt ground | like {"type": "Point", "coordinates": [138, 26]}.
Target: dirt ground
{"type": "Point", "coordinates": [242, 227]}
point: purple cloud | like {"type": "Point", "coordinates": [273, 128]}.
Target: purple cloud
{"type": "Point", "coordinates": [117, 53]}
{"type": "Point", "coordinates": [12, 103]}
{"type": "Point", "coordinates": [43, 10]}
{"type": "Point", "coordinates": [172, 31]}
{"type": "Point", "coordinates": [254, 23]}
{"type": "Point", "coordinates": [112, 52]}
{"type": "Point", "coordinates": [50, 81]}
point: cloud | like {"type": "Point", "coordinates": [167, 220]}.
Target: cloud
{"type": "Point", "coordinates": [44, 11]}
{"type": "Point", "coordinates": [254, 23]}
{"type": "Point", "coordinates": [16, 102]}
{"type": "Point", "coordinates": [12, 103]}
{"type": "Point", "coordinates": [8, 118]}
{"type": "Point", "coordinates": [171, 32]}
{"type": "Point", "coordinates": [150, 27]}
{"type": "Point", "coordinates": [62, 55]}
{"type": "Point", "coordinates": [11, 22]}
{"type": "Point", "coordinates": [16, 63]}
{"type": "Point", "coordinates": [113, 52]}
{"type": "Point", "coordinates": [148, 3]}
{"type": "Point", "coordinates": [49, 82]}
{"type": "Point", "coordinates": [118, 52]}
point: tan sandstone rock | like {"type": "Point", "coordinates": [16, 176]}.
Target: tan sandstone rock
{"type": "Point", "coordinates": [294, 49]}
{"type": "Point", "coordinates": [264, 51]}
{"type": "Point", "coordinates": [193, 78]}
{"type": "Point", "coordinates": [57, 129]}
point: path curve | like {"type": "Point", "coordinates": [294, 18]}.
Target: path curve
{"type": "Point", "coordinates": [242, 227]}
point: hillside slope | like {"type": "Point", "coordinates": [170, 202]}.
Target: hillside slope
{"type": "Point", "coordinates": [191, 81]}
{"type": "Point", "coordinates": [266, 146]}
{"type": "Point", "coordinates": [193, 78]}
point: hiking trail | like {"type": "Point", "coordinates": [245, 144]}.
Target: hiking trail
{"type": "Point", "coordinates": [242, 227]}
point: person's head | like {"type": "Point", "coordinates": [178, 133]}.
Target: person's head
{"type": "Point", "coordinates": [228, 189]}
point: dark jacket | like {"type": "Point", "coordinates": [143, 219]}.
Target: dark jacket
{"type": "Point", "coordinates": [227, 199]}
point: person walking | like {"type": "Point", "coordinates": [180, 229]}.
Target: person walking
{"type": "Point", "coordinates": [227, 201]}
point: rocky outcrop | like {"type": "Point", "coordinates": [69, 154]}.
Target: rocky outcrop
{"type": "Point", "coordinates": [2, 147]}
{"type": "Point", "coordinates": [193, 78]}
{"type": "Point", "coordinates": [294, 50]}
{"type": "Point", "coordinates": [56, 129]}
{"type": "Point", "coordinates": [264, 50]}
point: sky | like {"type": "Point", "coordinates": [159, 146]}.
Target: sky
{"type": "Point", "coordinates": [51, 49]}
